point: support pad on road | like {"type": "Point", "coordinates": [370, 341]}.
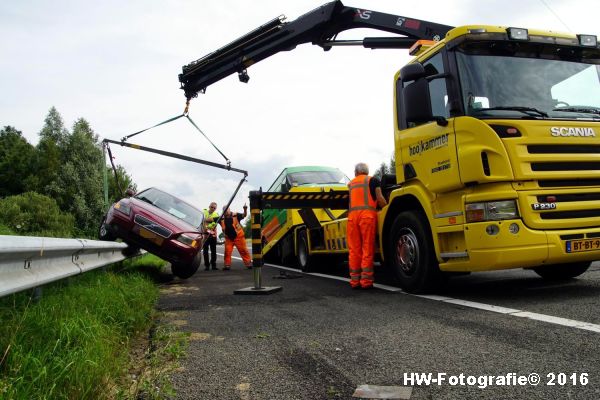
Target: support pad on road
{"type": "Point", "coordinates": [262, 290]}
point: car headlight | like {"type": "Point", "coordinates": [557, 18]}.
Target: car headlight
{"type": "Point", "coordinates": [491, 211]}
{"type": "Point", "coordinates": [123, 206]}
{"type": "Point", "coordinates": [188, 240]}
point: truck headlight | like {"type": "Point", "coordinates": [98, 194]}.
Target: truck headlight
{"type": "Point", "coordinates": [188, 240]}
{"type": "Point", "coordinates": [491, 211]}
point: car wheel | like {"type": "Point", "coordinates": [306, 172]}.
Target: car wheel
{"type": "Point", "coordinates": [104, 232]}
{"type": "Point", "coordinates": [411, 254]}
{"type": "Point", "coordinates": [562, 271]}
{"type": "Point", "coordinates": [304, 260]}
{"type": "Point", "coordinates": [184, 271]}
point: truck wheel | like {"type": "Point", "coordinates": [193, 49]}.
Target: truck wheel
{"type": "Point", "coordinates": [411, 253]}
{"type": "Point", "coordinates": [104, 232]}
{"type": "Point", "coordinates": [185, 271]}
{"type": "Point", "coordinates": [304, 259]}
{"type": "Point", "coordinates": [562, 271]}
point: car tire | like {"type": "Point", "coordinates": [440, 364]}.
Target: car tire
{"type": "Point", "coordinates": [558, 272]}
{"type": "Point", "coordinates": [411, 254]}
{"type": "Point", "coordinates": [104, 231]}
{"type": "Point", "coordinates": [303, 258]}
{"type": "Point", "coordinates": [185, 271]}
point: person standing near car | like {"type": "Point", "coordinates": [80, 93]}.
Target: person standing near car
{"type": "Point", "coordinates": [210, 216]}
{"type": "Point", "coordinates": [365, 197]}
{"type": "Point", "coordinates": [234, 236]}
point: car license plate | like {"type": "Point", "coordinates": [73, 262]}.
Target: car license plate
{"type": "Point", "coordinates": [151, 236]}
{"type": "Point", "coordinates": [575, 246]}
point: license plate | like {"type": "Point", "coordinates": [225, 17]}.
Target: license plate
{"type": "Point", "coordinates": [151, 236]}
{"type": "Point", "coordinates": [575, 246]}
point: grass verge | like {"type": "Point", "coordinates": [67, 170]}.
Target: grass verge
{"type": "Point", "coordinates": [74, 342]}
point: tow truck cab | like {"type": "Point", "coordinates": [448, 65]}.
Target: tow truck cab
{"type": "Point", "coordinates": [497, 150]}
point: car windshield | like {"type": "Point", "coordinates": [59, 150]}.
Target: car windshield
{"type": "Point", "coordinates": [317, 178]}
{"type": "Point", "coordinates": [529, 80]}
{"type": "Point", "coordinates": [174, 206]}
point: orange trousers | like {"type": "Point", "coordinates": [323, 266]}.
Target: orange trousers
{"type": "Point", "coordinates": [240, 244]}
{"type": "Point", "coordinates": [361, 228]}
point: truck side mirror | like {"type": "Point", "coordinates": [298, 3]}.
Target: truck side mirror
{"type": "Point", "coordinates": [412, 72]}
{"type": "Point", "coordinates": [417, 102]}
{"type": "Point", "coordinates": [416, 97]}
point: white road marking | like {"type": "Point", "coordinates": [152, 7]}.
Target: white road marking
{"type": "Point", "coordinates": [571, 323]}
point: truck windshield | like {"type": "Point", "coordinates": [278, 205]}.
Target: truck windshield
{"type": "Point", "coordinates": [317, 178]}
{"type": "Point", "coordinates": [529, 80]}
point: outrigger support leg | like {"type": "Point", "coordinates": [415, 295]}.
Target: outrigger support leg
{"type": "Point", "coordinates": [257, 256]}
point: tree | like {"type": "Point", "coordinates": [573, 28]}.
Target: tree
{"type": "Point", "coordinates": [79, 181]}
{"type": "Point", "coordinates": [125, 181]}
{"type": "Point", "coordinates": [50, 152]}
{"type": "Point", "coordinates": [386, 168]}
{"type": "Point", "coordinates": [54, 128]}
{"type": "Point", "coordinates": [382, 170]}
{"type": "Point", "coordinates": [34, 214]}
{"type": "Point", "coordinates": [16, 162]}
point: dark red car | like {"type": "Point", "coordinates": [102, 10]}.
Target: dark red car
{"type": "Point", "coordinates": [161, 224]}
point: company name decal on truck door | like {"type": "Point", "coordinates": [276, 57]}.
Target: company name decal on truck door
{"type": "Point", "coordinates": [433, 143]}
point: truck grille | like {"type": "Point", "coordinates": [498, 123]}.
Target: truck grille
{"type": "Point", "coordinates": [576, 207]}
{"type": "Point", "coordinates": [152, 226]}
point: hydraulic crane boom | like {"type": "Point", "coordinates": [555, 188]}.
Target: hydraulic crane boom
{"type": "Point", "coordinates": [319, 27]}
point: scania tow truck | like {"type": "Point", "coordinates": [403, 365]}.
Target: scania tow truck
{"type": "Point", "coordinates": [496, 141]}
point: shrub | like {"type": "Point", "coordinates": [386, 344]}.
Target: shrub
{"type": "Point", "coordinates": [33, 214]}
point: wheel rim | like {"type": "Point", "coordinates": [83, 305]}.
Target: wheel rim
{"type": "Point", "coordinates": [103, 231]}
{"type": "Point", "coordinates": [407, 251]}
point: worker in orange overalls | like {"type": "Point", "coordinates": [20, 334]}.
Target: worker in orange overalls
{"type": "Point", "coordinates": [234, 236]}
{"type": "Point", "coordinates": [365, 197]}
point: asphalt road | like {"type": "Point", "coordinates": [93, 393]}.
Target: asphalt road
{"type": "Point", "coordinates": [318, 339]}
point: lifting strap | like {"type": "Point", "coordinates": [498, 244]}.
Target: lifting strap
{"type": "Point", "coordinates": [184, 114]}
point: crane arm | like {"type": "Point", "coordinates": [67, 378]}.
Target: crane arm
{"type": "Point", "coordinates": [319, 27]}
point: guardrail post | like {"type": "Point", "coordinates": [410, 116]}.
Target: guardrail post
{"type": "Point", "coordinates": [257, 256]}
{"type": "Point", "coordinates": [36, 295]}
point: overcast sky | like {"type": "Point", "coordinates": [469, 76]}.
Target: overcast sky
{"type": "Point", "coordinates": [116, 64]}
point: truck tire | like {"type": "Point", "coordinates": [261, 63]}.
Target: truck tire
{"type": "Point", "coordinates": [558, 272]}
{"type": "Point", "coordinates": [411, 254]}
{"type": "Point", "coordinates": [185, 271]}
{"type": "Point", "coordinates": [303, 258]}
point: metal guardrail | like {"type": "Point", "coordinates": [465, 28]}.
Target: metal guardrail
{"type": "Point", "coordinates": [28, 262]}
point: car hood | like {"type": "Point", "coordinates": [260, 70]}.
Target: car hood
{"type": "Point", "coordinates": [162, 217]}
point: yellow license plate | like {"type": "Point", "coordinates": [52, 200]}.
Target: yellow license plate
{"type": "Point", "coordinates": [576, 246]}
{"type": "Point", "coordinates": [151, 236]}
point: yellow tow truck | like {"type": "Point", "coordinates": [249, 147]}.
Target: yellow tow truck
{"type": "Point", "coordinates": [496, 141]}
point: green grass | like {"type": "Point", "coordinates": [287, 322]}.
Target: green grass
{"type": "Point", "coordinates": [73, 343]}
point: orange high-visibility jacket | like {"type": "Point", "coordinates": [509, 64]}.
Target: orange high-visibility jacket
{"type": "Point", "coordinates": [236, 224]}
{"type": "Point", "coordinates": [360, 196]}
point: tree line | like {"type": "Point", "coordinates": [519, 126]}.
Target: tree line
{"type": "Point", "coordinates": [55, 188]}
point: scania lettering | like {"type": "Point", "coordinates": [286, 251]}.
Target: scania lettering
{"type": "Point", "coordinates": [556, 131]}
